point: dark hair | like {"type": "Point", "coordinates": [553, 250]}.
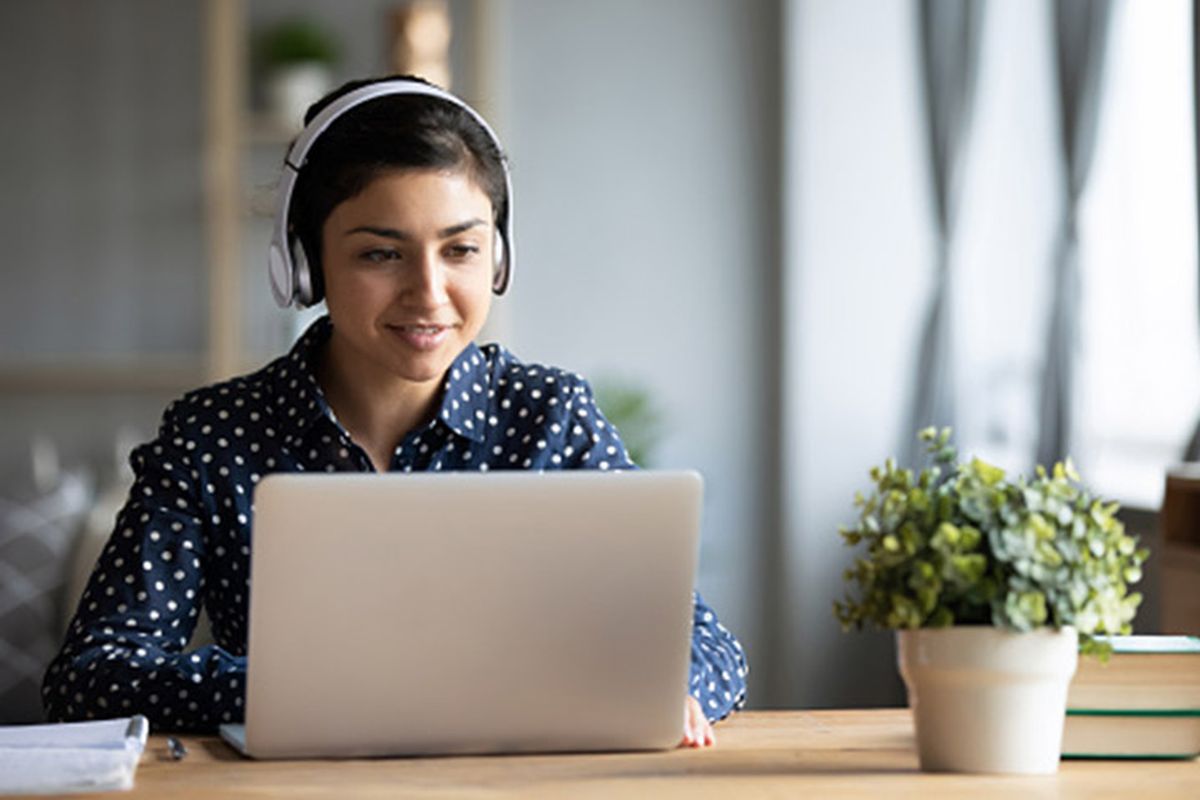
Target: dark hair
{"type": "Point", "coordinates": [388, 133]}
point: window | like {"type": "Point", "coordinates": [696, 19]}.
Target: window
{"type": "Point", "coordinates": [1138, 380]}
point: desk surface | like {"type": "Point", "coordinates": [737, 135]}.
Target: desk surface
{"type": "Point", "coordinates": [864, 753]}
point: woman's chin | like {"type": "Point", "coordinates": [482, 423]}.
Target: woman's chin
{"type": "Point", "coordinates": [421, 367]}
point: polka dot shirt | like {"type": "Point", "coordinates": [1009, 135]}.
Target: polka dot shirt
{"type": "Point", "coordinates": [182, 540]}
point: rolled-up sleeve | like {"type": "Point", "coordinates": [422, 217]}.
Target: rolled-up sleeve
{"type": "Point", "coordinates": [719, 668]}
{"type": "Point", "coordinates": [124, 648]}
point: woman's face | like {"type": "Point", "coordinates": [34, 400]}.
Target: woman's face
{"type": "Point", "coordinates": [407, 265]}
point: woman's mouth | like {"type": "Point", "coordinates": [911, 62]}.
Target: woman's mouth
{"type": "Point", "coordinates": [421, 336]}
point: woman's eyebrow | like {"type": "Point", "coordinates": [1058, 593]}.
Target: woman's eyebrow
{"type": "Point", "coordinates": [404, 236]}
{"type": "Point", "coordinates": [387, 233]}
{"type": "Point", "coordinates": [462, 227]}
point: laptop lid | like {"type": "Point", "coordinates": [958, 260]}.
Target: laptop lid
{"type": "Point", "coordinates": [467, 613]}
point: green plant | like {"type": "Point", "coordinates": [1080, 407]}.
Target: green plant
{"type": "Point", "coordinates": [965, 544]}
{"type": "Point", "coordinates": [632, 410]}
{"type": "Point", "coordinates": [297, 41]}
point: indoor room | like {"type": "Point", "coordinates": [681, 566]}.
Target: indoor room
{"type": "Point", "coordinates": [779, 238]}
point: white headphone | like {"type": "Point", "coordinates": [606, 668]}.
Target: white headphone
{"type": "Point", "coordinates": [288, 264]}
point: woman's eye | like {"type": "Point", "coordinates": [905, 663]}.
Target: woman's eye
{"type": "Point", "coordinates": [380, 255]}
{"type": "Point", "coordinates": [463, 251]}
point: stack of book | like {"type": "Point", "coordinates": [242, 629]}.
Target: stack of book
{"type": "Point", "coordinates": [1143, 703]}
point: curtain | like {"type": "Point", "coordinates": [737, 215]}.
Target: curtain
{"type": "Point", "coordinates": [1081, 36]}
{"type": "Point", "coordinates": [950, 36]}
{"type": "Point", "coordinates": [1192, 451]}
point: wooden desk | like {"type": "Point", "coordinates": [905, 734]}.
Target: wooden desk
{"type": "Point", "coordinates": [758, 754]}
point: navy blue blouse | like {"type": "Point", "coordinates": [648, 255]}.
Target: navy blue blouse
{"type": "Point", "coordinates": [182, 540]}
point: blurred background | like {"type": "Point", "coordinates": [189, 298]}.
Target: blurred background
{"type": "Point", "coordinates": [779, 235]}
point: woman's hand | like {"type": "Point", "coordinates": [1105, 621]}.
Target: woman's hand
{"type": "Point", "coordinates": [697, 730]}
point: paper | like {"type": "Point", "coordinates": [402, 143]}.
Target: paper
{"type": "Point", "coordinates": [71, 757]}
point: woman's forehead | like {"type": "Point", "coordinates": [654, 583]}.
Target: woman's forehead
{"type": "Point", "coordinates": [439, 198]}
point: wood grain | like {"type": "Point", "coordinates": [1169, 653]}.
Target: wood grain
{"type": "Point", "coordinates": [859, 753]}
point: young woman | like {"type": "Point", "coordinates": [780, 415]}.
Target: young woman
{"type": "Point", "coordinates": [396, 211]}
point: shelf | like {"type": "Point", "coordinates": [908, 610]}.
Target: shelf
{"type": "Point", "coordinates": [1180, 567]}
{"type": "Point", "coordinates": [263, 129]}
{"type": "Point", "coordinates": [1181, 506]}
{"type": "Point", "coordinates": [151, 374]}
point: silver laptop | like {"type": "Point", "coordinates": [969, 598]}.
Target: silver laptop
{"type": "Point", "coordinates": [469, 613]}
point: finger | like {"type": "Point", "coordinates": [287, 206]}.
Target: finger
{"type": "Point", "coordinates": [700, 726]}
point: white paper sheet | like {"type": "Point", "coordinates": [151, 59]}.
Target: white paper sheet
{"type": "Point", "coordinates": [71, 757]}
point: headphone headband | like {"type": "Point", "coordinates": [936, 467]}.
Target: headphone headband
{"type": "Point", "coordinates": [290, 272]}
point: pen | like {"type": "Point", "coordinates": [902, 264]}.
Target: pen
{"type": "Point", "coordinates": [138, 729]}
{"type": "Point", "coordinates": [178, 751]}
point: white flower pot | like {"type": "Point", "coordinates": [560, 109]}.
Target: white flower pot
{"type": "Point", "coordinates": [986, 699]}
{"type": "Point", "coordinates": [292, 89]}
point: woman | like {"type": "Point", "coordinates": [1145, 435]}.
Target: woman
{"type": "Point", "coordinates": [395, 209]}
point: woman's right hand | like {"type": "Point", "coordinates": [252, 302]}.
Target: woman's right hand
{"type": "Point", "coordinates": [697, 730]}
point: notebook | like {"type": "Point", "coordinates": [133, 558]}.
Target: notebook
{"type": "Point", "coordinates": [469, 613]}
{"type": "Point", "coordinates": [71, 757]}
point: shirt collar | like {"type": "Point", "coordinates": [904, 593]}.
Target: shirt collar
{"type": "Point", "coordinates": [300, 401]}
{"type": "Point", "coordinates": [464, 406]}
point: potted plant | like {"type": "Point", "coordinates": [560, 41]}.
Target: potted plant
{"type": "Point", "coordinates": [632, 410]}
{"type": "Point", "coordinates": [993, 584]}
{"type": "Point", "coordinates": [297, 56]}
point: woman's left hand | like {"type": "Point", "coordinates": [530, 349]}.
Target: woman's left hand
{"type": "Point", "coordinates": [697, 730]}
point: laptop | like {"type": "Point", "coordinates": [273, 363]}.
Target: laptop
{"type": "Point", "coordinates": [457, 613]}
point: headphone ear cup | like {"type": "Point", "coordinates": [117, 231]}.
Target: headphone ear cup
{"type": "Point", "coordinates": [305, 286]}
{"type": "Point", "coordinates": [499, 261]}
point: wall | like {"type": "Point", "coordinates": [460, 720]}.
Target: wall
{"type": "Point", "coordinates": [102, 184]}
{"type": "Point", "coordinates": [643, 140]}
{"type": "Point", "coordinates": [768, 295]}
{"type": "Point", "coordinates": [100, 207]}
{"type": "Point", "coordinates": [858, 247]}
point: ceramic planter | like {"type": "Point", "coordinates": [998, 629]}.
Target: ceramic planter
{"type": "Point", "coordinates": [293, 88]}
{"type": "Point", "coordinates": [986, 699]}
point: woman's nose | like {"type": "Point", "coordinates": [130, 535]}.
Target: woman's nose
{"type": "Point", "coordinates": [428, 281]}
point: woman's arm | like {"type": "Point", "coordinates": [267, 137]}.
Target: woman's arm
{"type": "Point", "coordinates": [718, 667]}
{"type": "Point", "coordinates": [123, 652]}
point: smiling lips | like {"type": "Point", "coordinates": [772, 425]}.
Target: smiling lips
{"type": "Point", "coordinates": [421, 336]}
